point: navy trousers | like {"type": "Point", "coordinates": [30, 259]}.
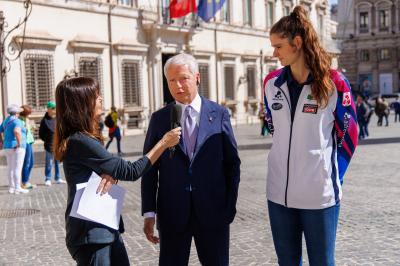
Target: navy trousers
{"type": "Point", "coordinates": [212, 245]}
{"type": "Point", "coordinates": [318, 226]}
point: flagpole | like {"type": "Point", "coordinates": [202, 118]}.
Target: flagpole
{"type": "Point", "coordinates": [216, 60]}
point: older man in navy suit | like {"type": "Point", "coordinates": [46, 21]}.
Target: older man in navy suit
{"type": "Point", "coordinates": [192, 193]}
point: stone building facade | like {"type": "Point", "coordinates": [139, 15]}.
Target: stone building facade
{"type": "Point", "coordinates": [125, 43]}
{"type": "Point", "coordinates": [370, 35]}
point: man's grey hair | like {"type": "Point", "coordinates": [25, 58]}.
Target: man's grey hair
{"type": "Point", "coordinates": [182, 59]}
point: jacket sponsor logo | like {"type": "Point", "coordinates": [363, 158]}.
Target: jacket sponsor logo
{"type": "Point", "coordinates": [346, 99]}
{"type": "Point", "coordinates": [310, 108]}
{"type": "Point", "coordinates": [276, 106]}
{"type": "Point", "coordinates": [278, 96]}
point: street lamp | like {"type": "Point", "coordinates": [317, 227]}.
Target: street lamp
{"type": "Point", "coordinates": [13, 51]}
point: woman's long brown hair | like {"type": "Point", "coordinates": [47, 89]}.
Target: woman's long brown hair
{"type": "Point", "coordinates": [75, 112]}
{"type": "Point", "coordinates": [316, 57]}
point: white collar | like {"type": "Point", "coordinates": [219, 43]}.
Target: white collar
{"type": "Point", "coordinates": [196, 104]}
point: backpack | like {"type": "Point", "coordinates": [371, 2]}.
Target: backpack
{"type": "Point", "coordinates": [108, 121]}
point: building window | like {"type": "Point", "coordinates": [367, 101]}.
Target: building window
{"type": "Point", "coordinates": [270, 14]}
{"type": "Point", "coordinates": [131, 83]}
{"type": "Point", "coordinates": [229, 82]}
{"type": "Point", "coordinates": [204, 88]}
{"type": "Point", "coordinates": [321, 25]}
{"type": "Point", "coordinates": [384, 54]}
{"type": "Point", "coordinates": [251, 82]}
{"type": "Point", "coordinates": [364, 55]}
{"type": "Point", "coordinates": [38, 80]}
{"type": "Point", "coordinates": [91, 67]}
{"type": "Point", "coordinates": [383, 20]}
{"type": "Point", "coordinates": [248, 13]}
{"type": "Point", "coordinates": [226, 11]}
{"type": "Point", "coordinates": [165, 11]}
{"type": "Point", "coordinates": [125, 2]}
{"type": "Point", "coordinates": [364, 22]}
{"type": "Point", "coordinates": [286, 10]}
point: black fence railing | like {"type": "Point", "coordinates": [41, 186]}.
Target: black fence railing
{"type": "Point", "coordinates": [188, 21]}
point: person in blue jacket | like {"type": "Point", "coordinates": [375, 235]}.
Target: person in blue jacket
{"type": "Point", "coordinates": [14, 145]}
{"type": "Point", "coordinates": [192, 193]}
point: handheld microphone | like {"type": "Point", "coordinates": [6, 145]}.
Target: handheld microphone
{"type": "Point", "coordinates": [175, 115]}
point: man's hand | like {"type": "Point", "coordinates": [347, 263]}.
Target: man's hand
{"type": "Point", "coordinates": [148, 230]}
{"type": "Point", "coordinates": [106, 183]}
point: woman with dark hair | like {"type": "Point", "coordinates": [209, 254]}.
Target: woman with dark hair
{"type": "Point", "coordinates": [311, 114]}
{"type": "Point", "coordinates": [79, 144]}
{"type": "Point", "coordinates": [29, 157]}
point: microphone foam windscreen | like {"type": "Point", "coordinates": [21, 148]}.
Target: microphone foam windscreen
{"type": "Point", "coordinates": [176, 113]}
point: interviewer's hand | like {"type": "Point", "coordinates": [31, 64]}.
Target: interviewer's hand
{"type": "Point", "coordinates": [105, 184]}
{"type": "Point", "coordinates": [171, 138]}
{"type": "Point", "coordinates": [148, 230]}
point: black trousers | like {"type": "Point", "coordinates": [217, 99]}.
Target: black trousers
{"type": "Point", "coordinates": [102, 254]}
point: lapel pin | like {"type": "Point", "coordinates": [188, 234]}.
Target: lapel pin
{"type": "Point", "coordinates": [210, 119]}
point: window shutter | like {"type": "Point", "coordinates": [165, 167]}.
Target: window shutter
{"type": "Point", "coordinates": [204, 88]}
{"type": "Point", "coordinates": [131, 83]}
{"type": "Point", "coordinates": [229, 83]}
{"type": "Point", "coordinates": [251, 83]}
{"type": "Point", "coordinates": [38, 80]}
{"type": "Point", "coordinates": [91, 67]}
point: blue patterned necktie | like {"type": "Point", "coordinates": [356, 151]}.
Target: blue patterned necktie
{"type": "Point", "coordinates": [190, 131]}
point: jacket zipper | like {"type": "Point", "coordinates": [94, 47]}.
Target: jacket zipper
{"type": "Point", "coordinates": [290, 143]}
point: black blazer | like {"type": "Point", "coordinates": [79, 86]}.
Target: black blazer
{"type": "Point", "coordinates": [85, 155]}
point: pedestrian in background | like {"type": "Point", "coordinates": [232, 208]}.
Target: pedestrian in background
{"type": "Point", "coordinates": [396, 108]}
{"type": "Point", "coordinates": [381, 111]}
{"type": "Point", "coordinates": [369, 115]}
{"type": "Point", "coordinates": [261, 116]}
{"type": "Point", "coordinates": [79, 144]}
{"type": "Point", "coordinates": [362, 116]}
{"type": "Point", "coordinates": [14, 147]}
{"type": "Point", "coordinates": [311, 114]}
{"type": "Point", "coordinates": [46, 133]}
{"type": "Point", "coordinates": [29, 156]}
{"type": "Point", "coordinates": [114, 131]}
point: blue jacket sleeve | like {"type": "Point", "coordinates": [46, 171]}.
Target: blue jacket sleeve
{"type": "Point", "coordinates": [231, 165]}
{"type": "Point", "coordinates": [346, 128]}
{"type": "Point", "coordinates": [149, 183]}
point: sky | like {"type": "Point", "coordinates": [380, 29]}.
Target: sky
{"type": "Point", "coordinates": [331, 2]}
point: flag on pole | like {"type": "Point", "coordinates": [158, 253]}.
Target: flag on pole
{"type": "Point", "coordinates": [208, 8]}
{"type": "Point", "coordinates": [180, 8]}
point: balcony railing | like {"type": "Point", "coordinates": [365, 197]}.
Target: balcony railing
{"type": "Point", "coordinates": [383, 28]}
{"type": "Point", "coordinates": [188, 21]}
{"type": "Point", "coordinates": [363, 29]}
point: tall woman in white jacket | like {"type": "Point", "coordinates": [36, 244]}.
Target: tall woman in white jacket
{"type": "Point", "coordinates": [310, 111]}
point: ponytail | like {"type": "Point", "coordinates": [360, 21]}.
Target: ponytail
{"type": "Point", "coordinates": [316, 57]}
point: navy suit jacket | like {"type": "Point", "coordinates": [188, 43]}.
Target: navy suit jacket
{"type": "Point", "coordinates": [213, 174]}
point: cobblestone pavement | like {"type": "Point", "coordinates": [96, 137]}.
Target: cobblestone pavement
{"type": "Point", "coordinates": [368, 233]}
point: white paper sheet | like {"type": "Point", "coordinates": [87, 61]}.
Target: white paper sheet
{"type": "Point", "coordinates": [79, 191]}
{"type": "Point", "coordinates": [105, 209]}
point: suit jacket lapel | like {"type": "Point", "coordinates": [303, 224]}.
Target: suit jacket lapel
{"type": "Point", "coordinates": [207, 117]}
